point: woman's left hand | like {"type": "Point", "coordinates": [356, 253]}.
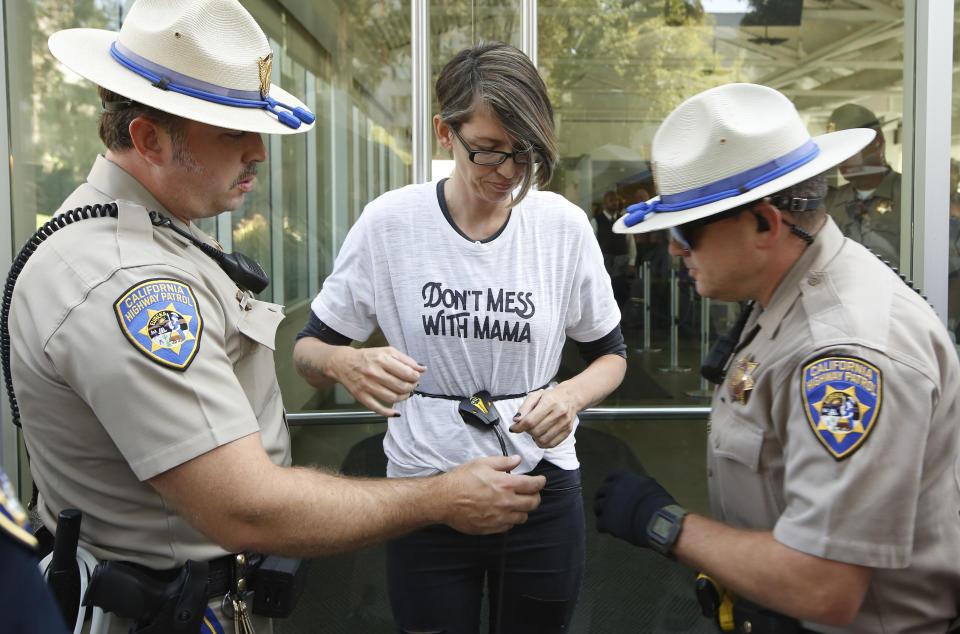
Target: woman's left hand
{"type": "Point", "coordinates": [547, 415]}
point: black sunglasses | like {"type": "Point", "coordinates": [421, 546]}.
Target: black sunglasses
{"type": "Point", "coordinates": [493, 157]}
{"type": "Point", "coordinates": [687, 234]}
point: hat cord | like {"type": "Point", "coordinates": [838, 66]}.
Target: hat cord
{"type": "Point", "coordinates": [292, 118]}
{"type": "Point", "coordinates": [729, 187]}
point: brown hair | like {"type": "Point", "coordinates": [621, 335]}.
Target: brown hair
{"type": "Point", "coordinates": [119, 112]}
{"type": "Point", "coordinates": [502, 78]}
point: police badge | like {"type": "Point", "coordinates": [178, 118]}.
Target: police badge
{"type": "Point", "coordinates": [841, 398]}
{"type": "Point", "coordinates": [741, 381]}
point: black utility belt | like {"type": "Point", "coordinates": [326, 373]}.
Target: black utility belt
{"type": "Point", "coordinates": [165, 600]}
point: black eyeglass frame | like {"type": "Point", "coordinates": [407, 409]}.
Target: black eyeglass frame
{"type": "Point", "coordinates": [525, 156]}
{"type": "Point", "coordinates": [686, 234]}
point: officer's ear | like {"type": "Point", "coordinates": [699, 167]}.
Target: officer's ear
{"type": "Point", "coordinates": [762, 224]}
{"type": "Point", "coordinates": [768, 222]}
{"type": "Point", "coordinates": [150, 140]}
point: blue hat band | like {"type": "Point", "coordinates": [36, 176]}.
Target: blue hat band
{"type": "Point", "coordinates": [167, 79]}
{"type": "Point", "coordinates": [725, 188]}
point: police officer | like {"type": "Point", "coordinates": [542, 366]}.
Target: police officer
{"type": "Point", "coordinates": [172, 440]}
{"type": "Point", "coordinates": [833, 437]}
{"type": "Point", "coordinates": [867, 206]}
{"type": "Point", "coordinates": [26, 604]}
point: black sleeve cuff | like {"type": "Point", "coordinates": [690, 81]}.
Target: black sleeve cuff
{"type": "Point", "coordinates": [611, 343]}
{"type": "Point", "coordinates": [319, 330]}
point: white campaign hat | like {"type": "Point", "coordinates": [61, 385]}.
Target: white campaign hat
{"type": "Point", "coordinates": [729, 146]}
{"type": "Point", "coordinates": [205, 60]}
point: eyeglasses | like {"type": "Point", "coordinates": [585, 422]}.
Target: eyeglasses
{"type": "Point", "coordinates": [493, 157]}
{"type": "Point", "coordinates": [687, 234]}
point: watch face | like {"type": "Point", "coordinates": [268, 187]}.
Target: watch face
{"type": "Point", "coordinates": [661, 526]}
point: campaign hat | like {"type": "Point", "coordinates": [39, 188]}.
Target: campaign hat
{"type": "Point", "coordinates": [729, 146]}
{"type": "Point", "coordinates": [204, 60]}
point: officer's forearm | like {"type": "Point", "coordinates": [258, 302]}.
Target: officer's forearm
{"type": "Point", "coordinates": [242, 501]}
{"type": "Point", "coordinates": [756, 566]}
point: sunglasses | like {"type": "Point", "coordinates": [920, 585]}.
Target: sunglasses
{"type": "Point", "coordinates": [688, 233]}
{"type": "Point", "coordinates": [493, 157]}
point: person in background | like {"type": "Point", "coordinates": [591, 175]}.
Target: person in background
{"type": "Point", "coordinates": [832, 444]}
{"type": "Point", "coordinates": [619, 252]}
{"type": "Point", "coordinates": [867, 206]}
{"type": "Point", "coordinates": [476, 281]}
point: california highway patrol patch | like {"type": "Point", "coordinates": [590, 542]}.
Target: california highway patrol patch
{"type": "Point", "coordinates": [160, 317]}
{"type": "Point", "coordinates": [841, 398]}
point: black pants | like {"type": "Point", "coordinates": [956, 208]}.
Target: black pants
{"type": "Point", "coordinates": [532, 572]}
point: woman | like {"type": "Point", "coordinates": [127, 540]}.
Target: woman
{"type": "Point", "coordinates": [481, 279]}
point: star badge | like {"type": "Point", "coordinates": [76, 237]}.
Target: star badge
{"type": "Point", "coordinates": [884, 206]}
{"type": "Point", "coordinates": [266, 69]}
{"type": "Point", "coordinates": [741, 381]}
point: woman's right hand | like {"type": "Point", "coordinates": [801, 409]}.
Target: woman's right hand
{"type": "Point", "coordinates": [376, 377]}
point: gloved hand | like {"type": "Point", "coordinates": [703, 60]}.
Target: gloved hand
{"type": "Point", "coordinates": [624, 504]}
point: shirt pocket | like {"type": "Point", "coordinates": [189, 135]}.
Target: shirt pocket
{"type": "Point", "coordinates": [741, 485]}
{"type": "Point", "coordinates": [740, 442]}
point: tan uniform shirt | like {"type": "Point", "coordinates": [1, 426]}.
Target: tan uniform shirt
{"type": "Point", "coordinates": [879, 230]}
{"type": "Point", "coordinates": [837, 428]}
{"type": "Point", "coordinates": [132, 353]}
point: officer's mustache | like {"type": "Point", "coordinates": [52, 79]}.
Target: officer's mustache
{"type": "Point", "coordinates": [248, 171]}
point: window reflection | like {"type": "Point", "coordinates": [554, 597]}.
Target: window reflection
{"type": "Point", "coordinates": [616, 70]}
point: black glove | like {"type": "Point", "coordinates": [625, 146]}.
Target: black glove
{"type": "Point", "coordinates": [624, 504]}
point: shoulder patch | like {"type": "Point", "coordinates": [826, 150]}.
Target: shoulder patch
{"type": "Point", "coordinates": [13, 519]}
{"type": "Point", "coordinates": [841, 398]}
{"type": "Point", "coordinates": [161, 318]}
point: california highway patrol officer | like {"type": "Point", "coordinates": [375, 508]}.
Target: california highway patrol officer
{"type": "Point", "coordinates": [143, 362]}
{"type": "Point", "coordinates": [833, 438]}
{"type": "Point", "coordinates": [866, 206]}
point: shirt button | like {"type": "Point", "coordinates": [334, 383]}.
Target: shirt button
{"type": "Point", "coordinates": [813, 280]}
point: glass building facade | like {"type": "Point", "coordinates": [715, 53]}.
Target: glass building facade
{"type": "Point", "coordinates": [614, 69]}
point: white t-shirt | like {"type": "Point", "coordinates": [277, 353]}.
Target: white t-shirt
{"type": "Point", "coordinates": [488, 315]}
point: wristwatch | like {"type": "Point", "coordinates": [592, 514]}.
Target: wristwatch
{"type": "Point", "coordinates": [664, 528]}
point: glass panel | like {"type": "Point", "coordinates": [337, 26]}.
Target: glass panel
{"type": "Point", "coordinates": [53, 112]}
{"type": "Point", "coordinates": [614, 72]}
{"type": "Point", "coordinates": [294, 209]}
{"type": "Point", "coordinates": [455, 25]}
{"type": "Point", "coordinates": [354, 58]}
{"type": "Point", "coordinates": [953, 280]}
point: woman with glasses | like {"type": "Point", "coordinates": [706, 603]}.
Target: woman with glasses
{"type": "Point", "coordinates": [476, 281]}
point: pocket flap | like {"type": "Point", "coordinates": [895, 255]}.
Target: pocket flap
{"type": "Point", "coordinates": [260, 320]}
{"type": "Point", "coordinates": [739, 441]}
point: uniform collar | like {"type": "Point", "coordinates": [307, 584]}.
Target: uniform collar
{"type": "Point", "coordinates": [809, 266]}
{"type": "Point", "coordinates": [119, 184]}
